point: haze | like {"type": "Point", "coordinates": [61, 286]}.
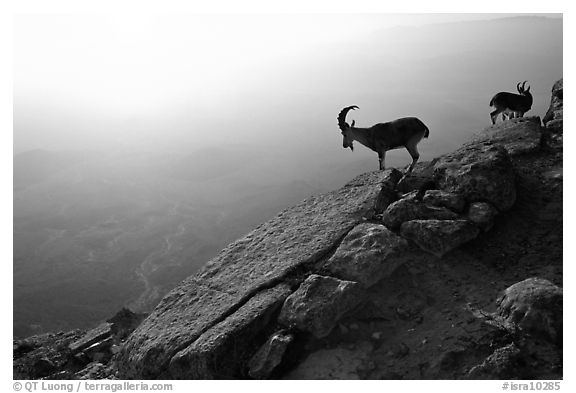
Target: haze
{"type": "Point", "coordinates": [89, 82]}
{"type": "Point", "coordinates": [145, 144]}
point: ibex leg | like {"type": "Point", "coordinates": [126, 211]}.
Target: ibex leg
{"type": "Point", "coordinates": [381, 159]}
{"type": "Point", "coordinates": [413, 150]}
{"type": "Point", "coordinates": [494, 115]}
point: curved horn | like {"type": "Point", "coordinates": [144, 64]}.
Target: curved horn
{"type": "Point", "coordinates": [523, 84]}
{"type": "Point", "coordinates": [518, 88]}
{"type": "Point", "coordinates": [342, 117]}
{"type": "Point", "coordinates": [527, 90]}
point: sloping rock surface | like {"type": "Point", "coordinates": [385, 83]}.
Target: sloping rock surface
{"type": "Point", "coordinates": [324, 290]}
{"type": "Point", "coordinates": [296, 237]}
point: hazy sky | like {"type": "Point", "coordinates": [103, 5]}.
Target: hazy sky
{"type": "Point", "coordinates": [99, 80]}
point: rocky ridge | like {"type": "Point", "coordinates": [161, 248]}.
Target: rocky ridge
{"type": "Point", "coordinates": [388, 277]}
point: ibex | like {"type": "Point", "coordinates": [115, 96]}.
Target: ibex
{"type": "Point", "coordinates": [513, 105]}
{"type": "Point", "coordinates": [406, 132]}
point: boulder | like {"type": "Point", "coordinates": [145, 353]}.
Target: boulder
{"type": "Point", "coordinates": [479, 172]}
{"type": "Point", "coordinates": [482, 214]}
{"type": "Point", "coordinates": [387, 193]}
{"type": "Point", "coordinates": [535, 307]}
{"type": "Point", "coordinates": [439, 236]}
{"type": "Point", "coordinates": [410, 208]}
{"type": "Point", "coordinates": [269, 356]}
{"type": "Point", "coordinates": [449, 200]}
{"type": "Point", "coordinates": [420, 178]}
{"type": "Point", "coordinates": [369, 253]}
{"type": "Point", "coordinates": [319, 303]}
{"type": "Point", "coordinates": [220, 351]}
{"type": "Point", "coordinates": [296, 238]}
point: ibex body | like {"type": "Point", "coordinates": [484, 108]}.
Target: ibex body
{"type": "Point", "coordinates": [382, 137]}
{"type": "Point", "coordinates": [513, 105]}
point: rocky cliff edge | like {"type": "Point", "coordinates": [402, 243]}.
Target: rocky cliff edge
{"type": "Point", "coordinates": [452, 272]}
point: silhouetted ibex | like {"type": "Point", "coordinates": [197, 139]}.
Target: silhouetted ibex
{"type": "Point", "coordinates": [406, 132]}
{"type": "Point", "coordinates": [513, 105]}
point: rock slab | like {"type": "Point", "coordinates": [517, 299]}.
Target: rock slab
{"type": "Point", "coordinates": [103, 331]}
{"type": "Point", "coordinates": [218, 353]}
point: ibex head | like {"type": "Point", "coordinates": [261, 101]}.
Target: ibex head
{"type": "Point", "coordinates": [345, 127]}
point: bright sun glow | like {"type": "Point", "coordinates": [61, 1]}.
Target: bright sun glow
{"type": "Point", "coordinates": [131, 64]}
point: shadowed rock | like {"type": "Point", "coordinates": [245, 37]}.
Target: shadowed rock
{"type": "Point", "coordinates": [300, 235]}
{"type": "Point", "coordinates": [269, 356]}
{"type": "Point", "coordinates": [124, 322]}
{"type": "Point", "coordinates": [535, 306]}
{"type": "Point", "coordinates": [334, 363]}
{"type": "Point", "coordinates": [421, 176]}
{"type": "Point", "coordinates": [387, 193]}
{"type": "Point", "coordinates": [556, 108]}
{"type": "Point", "coordinates": [449, 200]}
{"type": "Point", "coordinates": [499, 365]}
{"type": "Point", "coordinates": [410, 208]}
{"type": "Point", "coordinates": [369, 253]}
{"type": "Point", "coordinates": [439, 236]}
{"type": "Point", "coordinates": [482, 214]}
{"type": "Point", "coordinates": [554, 119]}
{"type": "Point", "coordinates": [481, 173]}
{"type": "Point", "coordinates": [319, 303]}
